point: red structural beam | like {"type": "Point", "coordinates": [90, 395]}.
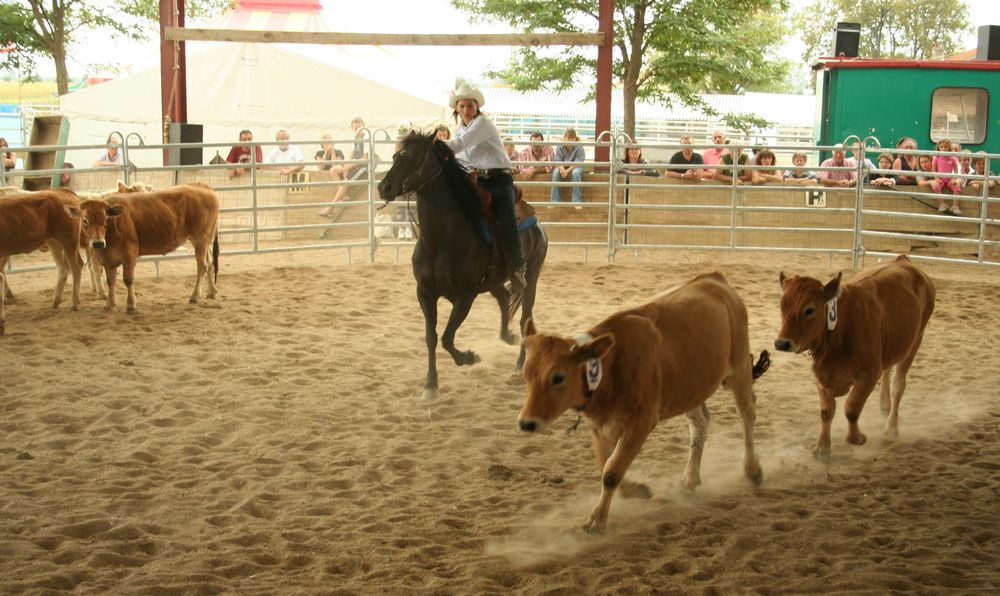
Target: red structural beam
{"type": "Point", "coordinates": [173, 70]}
{"type": "Point", "coordinates": [602, 119]}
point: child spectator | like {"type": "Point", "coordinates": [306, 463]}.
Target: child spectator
{"type": "Point", "coordinates": [884, 163]}
{"type": "Point", "coordinates": [442, 132]}
{"type": "Point", "coordinates": [799, 175]}
{"type": "Point", "coordinates": [765, 157]}
{"type": "Point", "coordinates": [980, 164]}
{"type": "Point", "coordinates": [946, 164]}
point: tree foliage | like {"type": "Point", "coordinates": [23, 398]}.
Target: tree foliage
{"type": "Point", "coordinates": [889, 28]}
{"type": "Point", "coordinates": [665, 50]}
{"type": "Point", "coordinates": [49, 28]}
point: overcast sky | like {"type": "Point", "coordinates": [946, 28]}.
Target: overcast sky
{"type": "Point", "coordinates": [399, 16]}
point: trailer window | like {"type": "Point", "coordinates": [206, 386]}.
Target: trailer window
{"type": "Point", "coordinates": [959, 114]}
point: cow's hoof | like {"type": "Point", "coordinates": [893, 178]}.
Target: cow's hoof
{"type": "Point", "coordinates": [822, 455]}
{"type": "Point", "coordinates": [858, 439]}
{"type": "Point", "coordinates": [131, 311]}
{"type": "Point", "coordinates": [635, 490]}
{"type": "Point", "coordinates": [758, 478]}
{"type": "Point", "coordinates": [430, 394]}
{"type": "Point", "coordinates": [193, 300]}
{"type": "Point", "coordinates": [594, 525]}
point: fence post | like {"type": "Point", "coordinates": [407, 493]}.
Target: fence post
{"type": "Point", "coordinates": [984, 208]}
{"type": "Point", "coordinates": [612, 183]}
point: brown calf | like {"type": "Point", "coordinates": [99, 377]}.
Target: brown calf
{"type": "Point", "coordinates": [856, 332]}
{"type": "Point", "coordinates": [644, 365]}
{"type": "Point", "coordinates": [45, 218]}
{"type": "Point", "coordinates": [120, 229]}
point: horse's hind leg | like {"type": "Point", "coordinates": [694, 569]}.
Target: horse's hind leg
{"type": "Point", "coordinates": [428, 304]}
{"type": "Point", "coordinates": [503, 301]}
{"type": "Point", "coordinates": [459, 310]}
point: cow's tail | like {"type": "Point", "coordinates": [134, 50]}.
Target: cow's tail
{"type": "Point", "coordinates": [215, 257]}
{"type": "Point", "coordinates": [763, 363]}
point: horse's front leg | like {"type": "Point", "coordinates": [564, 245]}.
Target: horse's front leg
{"type": "Point", "coordinates": [428, 304]}
{"type": "Point", "coordinates": [503, 301]}
{"type": "Point", "coordinates": [459, 310]}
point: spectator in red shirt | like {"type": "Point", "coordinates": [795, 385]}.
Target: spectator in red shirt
{"type": "Point", "coordinates": [240, 154]}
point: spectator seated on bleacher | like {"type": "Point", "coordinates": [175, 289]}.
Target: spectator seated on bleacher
{"type": "Point", "coordinates": [765, 158]}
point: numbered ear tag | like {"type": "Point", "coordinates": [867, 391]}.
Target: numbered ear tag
{"type": "Point", "coordinates": [831, 314]}
{"type": "Point", "coordinates": [594, 373]}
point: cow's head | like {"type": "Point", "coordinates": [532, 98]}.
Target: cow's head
{"type": "Point", "coordinates": [94, 215]}
{"type": "Point", "coordinates": [554, 369]}
{"type": "Point", "coordinates": [134, 187]}
{"type": "Point", "coordinates": [804, 311]}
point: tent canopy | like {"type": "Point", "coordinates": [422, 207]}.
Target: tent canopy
{"type": "Point", "coordinates": [234, 86]}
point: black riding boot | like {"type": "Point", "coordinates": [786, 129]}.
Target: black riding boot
{"type": "Point", "coordinates": [501, 188]}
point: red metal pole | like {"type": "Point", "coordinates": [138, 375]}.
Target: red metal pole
{"type": "Point", "coordinates": [602, 120]}
{"type": "Point", "coordinates": [173, 70]}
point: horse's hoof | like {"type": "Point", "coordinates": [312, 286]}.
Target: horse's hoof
{"type": "Point", "coordinates": [859, 439]}
{"type": "Point", "coordinates": [822, 455]}
{"type": "Point", "coordinates": [509, 338]}
{"type": "Point", "coordinates": [429, 394]}
{"type": "Point", "coordinates": [467, 358]}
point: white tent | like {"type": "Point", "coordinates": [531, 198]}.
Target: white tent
{"type": "Point", "coordinates": [234, 86]}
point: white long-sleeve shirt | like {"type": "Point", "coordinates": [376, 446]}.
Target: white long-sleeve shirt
{"type": "Point", "coordinates": [478, 145]}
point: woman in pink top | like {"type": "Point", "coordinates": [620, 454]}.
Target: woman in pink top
{"type": "Point", "coordinates": [946, 164]}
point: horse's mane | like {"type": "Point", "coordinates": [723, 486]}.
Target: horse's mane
{"type": "Point", "coordinates": [454, 173]}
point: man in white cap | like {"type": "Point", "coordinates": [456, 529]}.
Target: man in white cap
{"type": "Point", "coordinates": [477, 144]}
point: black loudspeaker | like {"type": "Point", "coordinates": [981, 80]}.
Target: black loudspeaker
{"type": "Point", "coordinates": [846, 45]}
{"type": "Point", "coordinates": [186, 133]}
{"type": "Point", "coordinates": [989, 43]}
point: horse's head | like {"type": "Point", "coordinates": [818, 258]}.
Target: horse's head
{"type": "Point", "coordinates": [414, 164]}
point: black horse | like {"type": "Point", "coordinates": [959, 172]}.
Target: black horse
{"type": "Point", "coordinates": [453, 257]}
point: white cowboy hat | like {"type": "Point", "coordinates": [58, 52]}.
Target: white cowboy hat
{"type": "Point", "coordinates": [466, 92]}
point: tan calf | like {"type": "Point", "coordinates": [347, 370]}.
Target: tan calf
{"type": "Point", "coordinates": [45, 218]}
{"type": "Point", "coordinates": [120, 229]}
{"type": "Point", "coordinates": [856, 333]}
{"type": "Point", "coordinates": [656, 361]}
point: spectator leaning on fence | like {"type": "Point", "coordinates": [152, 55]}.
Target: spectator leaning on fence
{"type": "Point", "coordinates": [536, 152]}
{"type": "Point", "coordinates": [979, 162]}
{"type": "Point", "coordinates": [571, 172]}
{"type": "Point", "coordinates": [880, 178]}
{"type": "Point", "coordinates": [240, 154]}
{"type": "Point", "coordinates": [112, 156]}
{"type": "Point", "coordinates": [9, 157]}
{"type": "Point", "coordinates": [689, 160]}
{"type": "Point", "coordinates": [633, 162]}
{"type": "Point", "coordinates": [726, 174]}
{"type": "Point", "coordinates": [799, 174]}
{"type": "Point", "coordinates": [713, 155]}
{"type": "Point", "coordinates": [285, 157]}
{"type": "Point", "coordinates": [765, 158]}
{"type": "Point", "coordinates": [906, 162]}
{"type": "Point", "coordinates": [839, 178]}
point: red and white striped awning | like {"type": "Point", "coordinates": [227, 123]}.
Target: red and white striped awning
{"type": "Point", "coordinates": [273, 15]}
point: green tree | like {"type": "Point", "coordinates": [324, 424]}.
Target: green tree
{"type": "Point", "coordinates": [55, 25]}
{"type": "Point", "coordinates": [665, 50]}
{"type": "Point", "coordinates": [19, 48]}
{"type": "Point", "coordinates": [889, 28]}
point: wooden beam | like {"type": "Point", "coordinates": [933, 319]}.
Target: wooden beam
{"type": "Point", "coordinates": [385, 39]}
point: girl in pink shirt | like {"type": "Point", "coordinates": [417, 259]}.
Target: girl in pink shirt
{"type": "Point", "coordinates": [946, 164]}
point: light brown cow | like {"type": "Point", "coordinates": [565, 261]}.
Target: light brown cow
{"type": "Point", "coordinates": [44, 218]}
{"type": "Point", "coordinates": [122, 228]}
{"type": "Point", "coordinates": [644, 365]}
{"type": "Point", "coordinates": [856, 332]}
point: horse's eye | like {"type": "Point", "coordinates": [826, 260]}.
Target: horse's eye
{"type": "Point", "coordinates": [558, 379]}
{"type": "Point", "coordinates": [809, 311]}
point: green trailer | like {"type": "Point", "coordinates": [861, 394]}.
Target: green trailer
{"type": "Point", "coordinates": [928, 100]}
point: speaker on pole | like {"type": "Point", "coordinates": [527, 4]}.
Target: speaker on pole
{"type": "Point", "coordinates": [186, 133]}
{"type": "Point", "coordinates": [848, 36]}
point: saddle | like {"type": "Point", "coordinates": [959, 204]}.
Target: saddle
{"type": "Point", "coordinates": [522, 209]}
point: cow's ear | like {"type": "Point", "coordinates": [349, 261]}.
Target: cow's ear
{"type": "Point", "coordinates": [831, 291]}
{"type": "Point", "coordinates": [595, 348]}
{"type": "Point", "coordinates": [781, 279]}
{"type": "Point", "coordinates": [122, 187]}
{"type": "Point", "coordinates": [529, 328]}
{"type": "Point", "coordinates": [72, 211]}
{"type": "Point", "coordinates": [115, 210]}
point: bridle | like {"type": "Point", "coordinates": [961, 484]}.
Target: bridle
{"type": "Point", "coordinates": [409, 186]}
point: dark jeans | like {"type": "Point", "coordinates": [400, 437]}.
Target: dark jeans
{"type": "Point", "coordinates": [501, 188]}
